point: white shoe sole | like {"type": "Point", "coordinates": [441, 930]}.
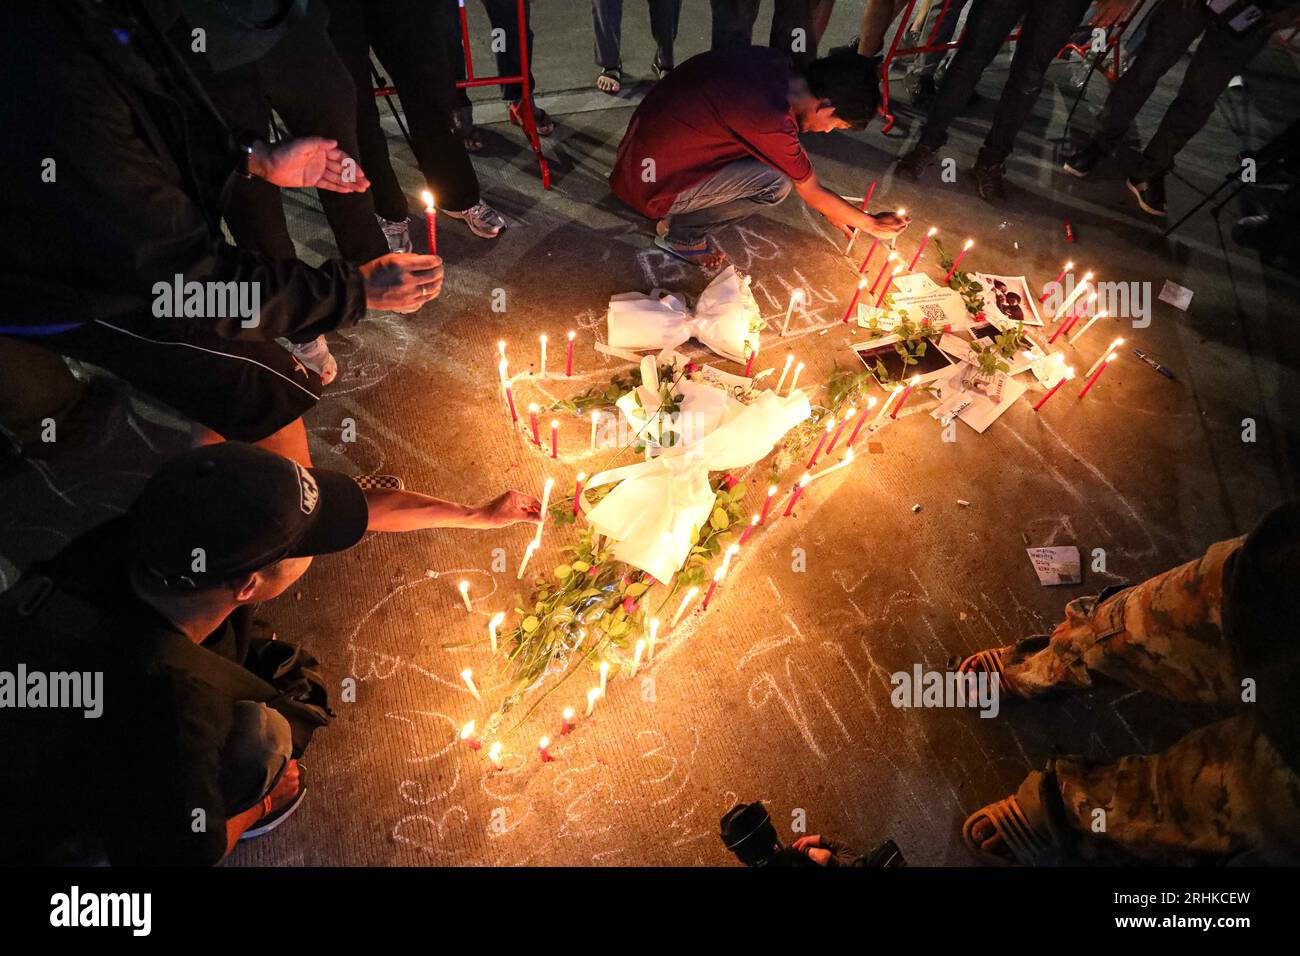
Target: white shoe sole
{"type": "Point", "coordinates": [480, 232]}
{"type": "Point", "coordinates": [1137, 194]}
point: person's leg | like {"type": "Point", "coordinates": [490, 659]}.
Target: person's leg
{"type": "Point", "coordinates": [351, 40]}
{"type": "Point", "coordinates": [1220, 792]}
{"type": "Point", "coordinates": [406, 37]}
{"type": "Point", "coordinates": [504, 15]}
{"type": "Point", "coordinates": [946, 29]}
{"type": "Point", "coordinates": [607, 24]}
{"type": "Point", "coordinates": [987, 27]}
{"type": "Point", "coordinates": [254, 757]}
{"type": "Point", "coordinates": [664, 17]}
{"type": "Point", "coordinates": [1163, 636]}
{"type": "Point", "coordinates": [733, 23]}
{"type": "Point", "coordinates": [310, 87]}
{"type": "Point", "coordinates": [1047, 25]}
{"type": "Point", "coordinates": [1221, 55]}
{"type": "Point", "coordinates": [876, 19]}
{"type": "Point", "coordinates": [1174, 26]}
{"type": "Point", "coordinates": [733, 193]}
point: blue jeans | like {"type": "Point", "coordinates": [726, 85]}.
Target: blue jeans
{"type": "Point", "coordinates": [733, 193]}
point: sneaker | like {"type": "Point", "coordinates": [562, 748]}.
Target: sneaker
{"type": "Point", "coordinates": [398, 233]}
{"type": "Point", "coordinates": [1083, 161]}
{"type": "Point", "coordinates": [989, 183]}
{"type": "Point", "coordinates": [1150, 194]}
{"type": "Point", "coordinates": [380, 482]}
{"type": "Point", "coordinates": [316, 356]}
{"type": "Point", "coordinates": [911, 163]}
{"type": "Point", "coordinates": [484, 221]}
{"type": "Point", "coordinates": [273, 818]}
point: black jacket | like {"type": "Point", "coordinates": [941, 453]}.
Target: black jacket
{"type": "Point", "coordinates": [137, 161]}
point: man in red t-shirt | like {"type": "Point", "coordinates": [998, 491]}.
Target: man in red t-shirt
{"type": "Point", "coordinates": [718, 139]}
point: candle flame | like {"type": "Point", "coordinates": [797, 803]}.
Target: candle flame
{"type": "Point", "coordinates": [604, 668]}
{"type": "Point", "coordinates": [916, 380]}
{"type": "Point", "coordinates": [546, 488]}
{"type": "Point", "coordinates": [1068, 266]}
{"type": "Point", "coordinates": [571, 334]}
{"type": "Point", "coordinates": [1087, 277]}
{"type": "Point", "coordinates": [542, 338]}
{"type": "Point", "coordinates": [464, 587]}
{"type": "Point", "coordinates": [931, 231]}
{"type": "Point", "coordinates": [532, 406]}
{"type": "Point", "coordinates": [554, 425]}
{"type": "Point", "coordinates": [771, 490]}
{"type": "Point", "coordinates": [1117, 343]}
{"type": "Point", "coordinates": [494, 752]}
{"type": "Point", "coordinates": [428, 201]}
{"type": "Point", "coordinates": [593, 694]}
{"type": "Point", "coordinates": [654, 627]}
{"type": "Point", "coordinates": [467, 674]}
{"type": "Point", "coordinates": [467, 731]}
{"type": "Point", "coordinates": [871, 402]}
{"type": "Point", "coordinates": [1069, 371]}
{"type": "Point", "coordinates": [848, 457]}
{"type": "Point", "coordinates": [1111, 357]}
{"type": "Point", "coordinates": [799, 367]}
{"type": "Point", "coordinates": [862, 283]}
{"type": "Point", "coordinates": [582, 476]}
{"type": "Point", "coordinates": [901, 211]}
{"type": "Point", "coordinates": [969, 243]}
{"type": "Point", "coordinates": [543, 743]}
{"type": "Point", "coordinates": [501, 347]}
{"type": "Point", "coordinates": [497, 619]}
{"type": "Point", "coordinates": [717, 575]}
{"type": "Point", "coordinates": [805, 479]}
{"type": "Point", "coordinates": [754, 520]}
{"type": "Point", "coordinates": [568, 713]}
{"type": "Point", "coordinates": [830, 423]}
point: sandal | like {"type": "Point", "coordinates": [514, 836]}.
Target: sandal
{"type": "Point", "coordinates": [1022, 844]}
{"type": "Point", "coordinates": [659, 69]}
{"type": "Point", "coordinates": [707, 256]}
{"type": "Point", "coordinates": [610, 80]}
{"type": "Point", "coordinates": [542, 119]}
{"type": "Point", "coordinates": [991, 661]}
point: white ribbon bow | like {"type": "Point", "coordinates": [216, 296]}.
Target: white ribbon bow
{"type": "Point", "coordinates": [702, 407]}
{"type": "Point", "coordinates": [653, 513]}
{"type": "Point", "coordinates": [724, 320]}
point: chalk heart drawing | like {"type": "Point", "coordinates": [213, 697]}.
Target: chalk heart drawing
{"type": "Point", "coordinates": [368, 352]}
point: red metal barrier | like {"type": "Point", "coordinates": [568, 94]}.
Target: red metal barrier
{"type": "Point", "coordinates": [525, 104]}
{"type": "Point", "coordinates": [896, 52]}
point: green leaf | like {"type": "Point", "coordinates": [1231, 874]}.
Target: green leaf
{"type": "Point", "coordinates": [530, 624]}
{"type": "Point", "coordinates": [637, 589]}
{"type": "Point", "coordinates": [719, 520]}
{"type": "Point", "coordinates": [582, 567]}
{"type": "Point", "coordinates": [738, 493]}
{"type": "Point", "coordinates": [563, 571]}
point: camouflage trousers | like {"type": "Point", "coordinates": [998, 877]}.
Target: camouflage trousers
{"type": "Point", "coordinates": [1220, 792]}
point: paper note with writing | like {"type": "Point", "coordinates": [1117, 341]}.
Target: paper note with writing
{"type": "Point", "coordinates": [1056, 565]}
{"type": "Point", "coordinates": [923, 299]}
{"type": "Point", "coordinates": [1176, 295]}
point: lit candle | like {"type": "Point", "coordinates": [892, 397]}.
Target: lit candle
{"type": "Point", "coordinates": [732, 551]}
{"type": "Point", "coordinates": [510, 400]}
{"type": "Point", "coordinates": [542, 751]}
{"type": "Point", "coordinates": [681, 608]}
{"type": "Point", "coordinates": [1078, 291]}
{"type": "Point", "coordinates": [494, 754]}
{"type": "Point", "coordinates": [796, 299]}
{"type": "Point", "coordinates": [767, 505]}
{"type": "Point", "coordinates": [848, 460]}
{"type": "Point", "coordinates": [566, 721]}
{"type": "Point", "coordinates": [532, 418]}
{"type": "Point", "coordinates": [1101, 367]}
{"type": "Point", "coordinates": [862, 207]}
{"type": "Point", "coordinates": [1065, 377]}
{"type": "Point", "coordinates": [528, 555]}
{"type": "Point", "coordinates": [555, 439]}
{"type": "Point", "coordinates": [568, 361]}
{"type": "Point", "coordinates": [884, 289]}
{"type": "Point", "coordinates": [794, 379]}
{"type": "Point", "coordinates": [592, 696]}
{"type": "Point", "coordinates": [749, 364]}
{"type": "Point", "coordinates": [789, 360]}
{"type": "Point", "coordinates": [1086, 326]}
{"type": "Point", "coordinates": [467, 735]}
{"type": "Point", "coordinates": [830, 423]}
{"type": "Point", "coordinates": [501, 347]}
{"type": "Point", "coordinates": [493, 624]}
{"type": "Point", "coordinates": [1110, 348]}
{"type": "Point", "coordinates": [862, 284]}
{"type": "Point", "coordinates": [871, 403]}
{"type": "Point", "coordinates": [431, 222]}
{"type": "Point", "coordinates": [654, 636]}
{"type": "Point", "coordinates": [577, 490]}
{"type": "Point", "coordinates": [595, 419]}
{"type": "Point", "coordinates": [604, 675]}
{"type": "Point", "coordinates": [862, 269]}
{"type": "Point", "coordinates": [911, 386]}
{"type": "Point", "coordinates": [1047, 289]}
{"type": "Point", "coordinates": [637, 653]}
{"type": "Point", "coordinates": [956, 262]}
{"type": "Point", "coordinates": [467, 676]}
{"type": "Point", "coordinates": [546, 502]}
{"type": "Point", "coordinates": [887, 267]}
{"type": "Point", "coordinates": [885, 407]}
{"type": "Point", "coordinates": [744, 535]}
{"type": "Point", "coordinates": [911, 266]}
{"type": "Point", "coordinates": [1074, 317]}
{"type": "Point", "coordinates": [836, 437]}
{"type": "Point", "coordinates": [717, 576]}
{"type": "Point", "coordinates": [463, 587]}
{"type": "Point", "coordinates": [794, 495]}
{"type": "Point", "coordinates": [502, 368]}
{"type": "Point", "coordinates": [541, 362]}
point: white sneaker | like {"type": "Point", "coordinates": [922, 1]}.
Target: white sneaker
{"type": "Point", "coordinates": [398, 234]}
{"type": "Point", "coordinates": [484, 221]}
{"type": "Point", "coordinates": [316, 356]}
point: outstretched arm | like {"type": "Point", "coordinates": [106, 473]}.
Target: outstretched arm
{"type": "Point", "coordinates": [884, 225]}
{"type": "Point", "coordinates": [412, 511]}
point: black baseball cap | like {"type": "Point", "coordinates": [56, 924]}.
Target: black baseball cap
{"type": "Point", "coordinates": [747, 831]}
{"type": "Point", "coordinates": [246, 508]}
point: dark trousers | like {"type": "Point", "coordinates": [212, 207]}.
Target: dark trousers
{"type": "Point", "coordinates": [1222, 54]}
{"type": "Point", "coordinates": [1047, 24]}
{"type": "Point", "coordinates": [414, 40]}
{"type": "Point", "coordinates": [733, 26]}
{"type": "Point", "coordinates": [504, 16]}
{"type": "Point", "coordinates": [304, 80]}
{"type": "Point", "coordinates": [607, 18]}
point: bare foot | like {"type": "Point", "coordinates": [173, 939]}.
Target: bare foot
{"type": "Point", "coordinates": [609, 81]}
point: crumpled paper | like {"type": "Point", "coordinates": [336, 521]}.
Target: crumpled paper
{"type": "Point", "coordinates": [654, 511]}
{"type": "Point", "coordinates": [702, 407]}
{"type": "Point", "coordinates": [723, 319]}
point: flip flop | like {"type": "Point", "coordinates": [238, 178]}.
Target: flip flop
{"type": "Point", "coordinates": [990, 661]}
{"type": "Point", "coordinates": [610, 73]}
{"type": "Point", "coordinates": [694, 256]}
{"type": "Point", "coordinates": [1025, 844]}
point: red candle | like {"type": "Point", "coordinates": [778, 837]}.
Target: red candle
{"type": "Point", "coordinates": [862, 207]}
{"type": "Point", "coordinates": [431, 221]}
{"type": "Point", "coordinates": [467, 735]}
{"type": "Point", "coordinates": [555, 439]}
{"type": "Point", "coordinates": [510, 400]}
{"type": "Point", "coordinates": [794, 495]}
{"type": "Point", "coordinates": [906, 392]}
{"type": "Point", "coordinates": [861, 419]}
{"type": "Point", "coordinates": [911, 266]}
{"type": "Point", "coordinates": [1097, 374]}
{"type": "Point", "coordinates": [542, 750]}
{"type": "Point", "coordinates": [821, 444]}
{"type": "Point", "coordinates": [956, 262]}
{"type": "Point", "coordinates": [749, 365]}
{"type": "Point", "coordinates": [767, 505]}
{"type": "Point", "coordinates": [577, 490]}
{"type": "Point", "coordinates": [532, 416]}
{"type": "Point", "coordinates": [568, 362]}
{"type": "Point", "coordinates": [717, 576]}
{"type": "Point", "coordinates": [566, 721]}
{"type": "Point", "coordinates": [887, 267]}
{"type": "Point", "coordinates": [753, 523]}
{"type": "Point", "coordinates": [1069, 374]}
{"type": "Point", "coordinates": [884, 289]}
{"type": "Point", "coordinates": [836, 437]}
{"type": "Point", "coordinates": [854, 301]}
{"type": "Point", "coordinates": [1047, 289]}
{"type": "Point", "coordinates": [862, 269]}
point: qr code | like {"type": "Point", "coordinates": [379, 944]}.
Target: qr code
{"type": "Point", "coordinates": [933, 314]}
